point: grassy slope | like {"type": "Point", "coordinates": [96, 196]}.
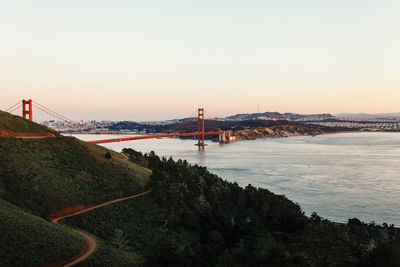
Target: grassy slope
{"type": "Point", "coordinates": [107, 255]}
{"type": "Point", "coordinates": [27, 240]}
{"type": "Point", "coordinates": [45, 175]}
{"type": "Point", "coordinates": [49, 174]}
{"type": "Point", "coordinates": [18, 124]}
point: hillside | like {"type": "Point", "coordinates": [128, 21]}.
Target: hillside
{"type": "Point", "coordinates": [27, 240]}
{"type": "Point", "coordinates": [252, 129]}
{"type": "Point", "coordinates": [52, 175]}
{"type": "Point", "coordinates": [279, 116]}
{"type": "Point", "coordinates": [11, 125]}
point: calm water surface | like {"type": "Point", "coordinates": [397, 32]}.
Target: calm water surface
{"type": "Point", "coordinates": [339, 176]}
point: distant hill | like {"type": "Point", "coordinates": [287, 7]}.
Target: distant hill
{"type": "Point", "coordinates": [368, 116]}
{"type": "Point", "coordinates": [260, 128]}
{"type": "Point", "coordinates": [132, 125]}
{"type": "Point", "coordinates": [280, 116]}
{"type": "Point", "coordinates": [11, 125]}
{"type": "Point", "coordinates": [249, 129]}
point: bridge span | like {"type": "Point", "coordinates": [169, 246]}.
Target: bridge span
{"type": "Point", "coordinates": [224, 136]}
{"type": "Point", "coordinates": [155, 136]}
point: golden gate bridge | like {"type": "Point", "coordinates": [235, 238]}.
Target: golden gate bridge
{"type": "Point", "coordinates": [224, 136]}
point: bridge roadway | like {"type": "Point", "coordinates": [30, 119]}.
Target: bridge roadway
{"type": "Point", "coordinates": [151, 136]}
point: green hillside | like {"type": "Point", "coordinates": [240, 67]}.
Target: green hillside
{"type": "Point", "coordinates": [50, 177]}
{"type": "Point", "coordinates": [27, 240]}
{"type": "Point", "coordinates": [17, 124]}
{"type": "Point", "coordinates": [49, 174]}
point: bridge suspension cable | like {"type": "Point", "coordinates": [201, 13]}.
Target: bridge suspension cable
{"type": "Point", "coordinates": [63, 118]}
{"type": "Point", "coordinates": [13, 107]}
{"type": "Point", "coordinates": [53, 113]}
{"type": "Point", "coordinates": [12, 110]}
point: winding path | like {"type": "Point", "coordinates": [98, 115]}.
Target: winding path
{"type": "Point", "coordinates": [89, 240]}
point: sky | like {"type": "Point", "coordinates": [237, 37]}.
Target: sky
{"type": "Point", "coordinates": [150, 60]}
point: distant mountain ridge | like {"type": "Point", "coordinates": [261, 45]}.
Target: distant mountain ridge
{"type": "Point", "coordinates": [280, 116]}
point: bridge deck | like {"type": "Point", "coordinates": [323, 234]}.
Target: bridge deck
{"type": "Point", "coordinates": [151, 136]}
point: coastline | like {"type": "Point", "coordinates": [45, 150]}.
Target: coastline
{"type": "Point", "coordinates": [253, 134]}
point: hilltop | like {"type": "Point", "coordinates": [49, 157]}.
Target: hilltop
{"type": "Point", "coordinates": [11, 125]}
{"type": "Point", "coordinates": [280, 116]}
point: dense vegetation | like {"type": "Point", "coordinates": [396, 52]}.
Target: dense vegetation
{"type": "Point", "coordinates": [14, 123]}
{"type": "Point", "coordinates": [45, 175]}
{"type": "Point", "coordinates": [194, 218]}
{"type": "Point", "coordinates": [27, 240]}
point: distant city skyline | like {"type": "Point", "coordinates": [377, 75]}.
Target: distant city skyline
{"type": "Point", "coordinates": [154, 60]}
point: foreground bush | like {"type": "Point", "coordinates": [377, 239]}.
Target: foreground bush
{"type": "Point", "coordinates": [27, 240]}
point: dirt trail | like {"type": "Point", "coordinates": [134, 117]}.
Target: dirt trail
{"type": "Point", "coordinates": [90, 241]}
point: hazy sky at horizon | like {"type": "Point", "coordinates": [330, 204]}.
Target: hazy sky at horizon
{"type": "Point", "coordinates": [143, 60]}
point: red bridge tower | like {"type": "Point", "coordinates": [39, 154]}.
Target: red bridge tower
{"type": "Point", "coordinates": [200, 128]}
{"type": "Point", "coordinates": [25, 110]}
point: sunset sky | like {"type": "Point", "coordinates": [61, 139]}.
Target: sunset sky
{"type": "Point", "coordinates": [145, 60]}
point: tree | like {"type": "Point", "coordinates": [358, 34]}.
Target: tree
{"type": "Point", "coordinates": [119, 239]}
